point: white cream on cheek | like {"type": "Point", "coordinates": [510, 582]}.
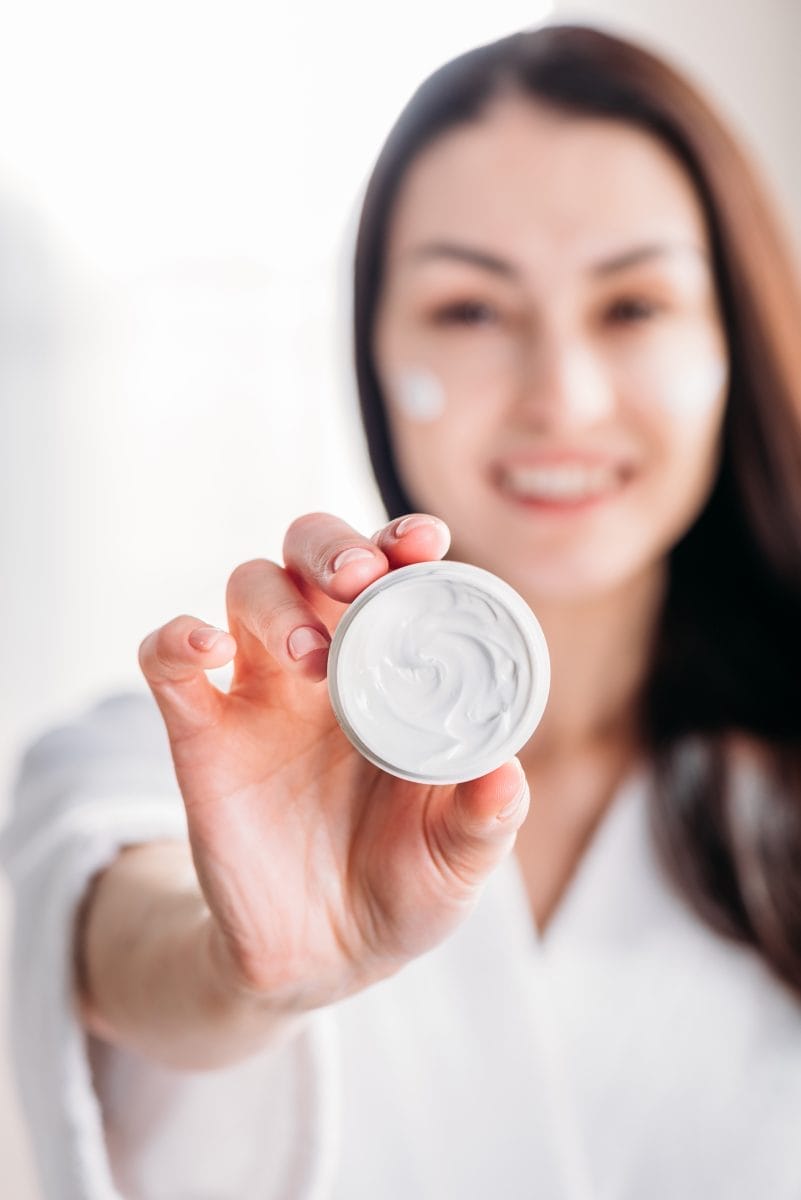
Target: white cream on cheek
{"type": "Point", "coordinates": [696, 390]}
{"type": "Point", "coordinates": [417, 394]}
{"type": "Point", "coordinates": [688, 387]}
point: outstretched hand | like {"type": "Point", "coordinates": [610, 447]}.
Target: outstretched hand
{"type": "Point", "coordinates": [321, 872]}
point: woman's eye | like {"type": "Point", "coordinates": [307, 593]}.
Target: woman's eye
{"type": "Point", "coordinates": [630, 311]}
{"type": "Point", "coordinates": [466, 312]}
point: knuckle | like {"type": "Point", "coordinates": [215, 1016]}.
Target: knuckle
{"type": "Point", "coordinates": [386, 531]}
{"type": "Point", "coordinates": [163, 656]}
{"type": "Point", "coordinates": [313, 539]}
{"type": "Point", "coordinates": [274, 623]}
{"type": "Point", "coordinates": [246, 576]}
{"type": "Point", "coordinates": [248, 970]}
{"type": "Point", "coordinates": [304, 536]}
{"type": "Point", "coordinates": [322, 557]}
{"type": "Point", "coordinates": [305, 523]}
{"type": "Point", "coordinates": [151, 643]}
{"type": "Point", "coordinates": [453, 861]}
{"type": "Point", "coordinates": [160, 651]}
{"type": "Point", "coordinates": [153, 656]}
{"type": "Point", "coordinates": [146, 649]}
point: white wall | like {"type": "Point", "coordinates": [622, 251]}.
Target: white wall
{"type": "Point", "coordinates": [175, 194]}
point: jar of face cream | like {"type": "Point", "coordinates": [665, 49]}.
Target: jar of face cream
{"type": "Point", "coordinates": [438, 672]}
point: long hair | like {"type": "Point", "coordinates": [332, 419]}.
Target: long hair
{"type": "Point", "coordinates": [724, 682]}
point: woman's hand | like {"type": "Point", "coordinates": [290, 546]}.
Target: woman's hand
{"type": "Point", "coordinates": [322, 873]}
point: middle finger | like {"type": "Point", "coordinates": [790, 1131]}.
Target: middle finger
{"type": "Point", "coordinates": [326, 554]}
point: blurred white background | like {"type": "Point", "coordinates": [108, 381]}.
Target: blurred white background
{"type": "Point", "coordinates": [178, 189]}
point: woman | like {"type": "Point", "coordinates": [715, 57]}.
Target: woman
{"type": "Point", "coordinates": [576, 348]}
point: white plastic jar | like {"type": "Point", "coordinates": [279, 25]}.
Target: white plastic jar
{"type": "Point", "coordinates": [438, 672]}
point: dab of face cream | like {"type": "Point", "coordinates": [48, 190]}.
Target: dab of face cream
{"type": "Point", "coordinates": [438, 672]}
{"type": "Point", "coordinates": [418, 394]}
{"type": "Point", "coordinates": [690, 389]}
{"type": "Point", "coordinates": [696, 390]}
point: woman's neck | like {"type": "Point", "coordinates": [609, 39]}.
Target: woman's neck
{"type": "Point", "coordinates": [600, 648]}
{"type": "Point", "coordinates": [588, 740]}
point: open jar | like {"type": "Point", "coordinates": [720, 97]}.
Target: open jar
{"type": "Point", "coordinates": [438, 672]}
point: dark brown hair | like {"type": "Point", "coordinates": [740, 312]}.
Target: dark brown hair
{"type": "Point", "coordinates": [725, 678]}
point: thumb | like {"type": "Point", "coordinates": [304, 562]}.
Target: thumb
{"type": "Point", "coordinates": [476, 828]}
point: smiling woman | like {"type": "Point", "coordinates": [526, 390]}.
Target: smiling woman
{"type": "Point", "coordinates": [625, 401]}
{"type": "Point", "coordinates": [576, 344]}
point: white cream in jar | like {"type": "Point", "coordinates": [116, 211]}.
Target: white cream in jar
{"type": "Point", "coordinates": [438, 672]}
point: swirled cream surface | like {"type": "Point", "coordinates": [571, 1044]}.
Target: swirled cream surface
{"type": "Point", "coordinates": [438, 672]}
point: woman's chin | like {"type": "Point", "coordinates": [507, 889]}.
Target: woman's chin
{"type": "Point", "coordinates": [575, 580]}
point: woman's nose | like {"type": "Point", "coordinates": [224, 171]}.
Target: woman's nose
{"type": "Point", "coordinates": [563, 386]}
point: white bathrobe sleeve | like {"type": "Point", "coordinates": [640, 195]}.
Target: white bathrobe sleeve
{"type": "Point", "coordinates": [82, 792]}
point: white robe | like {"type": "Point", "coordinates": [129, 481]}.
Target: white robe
{"type": "Point", "coordinates": [630, 1053]}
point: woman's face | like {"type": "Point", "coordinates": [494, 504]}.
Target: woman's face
{"type": "Point", "coordinates": [550, 347]}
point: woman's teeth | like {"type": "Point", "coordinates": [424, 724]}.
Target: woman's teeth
{"type": "Point", "coordinates": [571, 483]}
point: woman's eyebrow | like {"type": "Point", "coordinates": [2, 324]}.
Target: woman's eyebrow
{"type": "Point", "coordinates": [639, 254]}
{"type": "Point", "coordinates": [468, 254]}
{"type": "Point", "coordinates": [633, 256]}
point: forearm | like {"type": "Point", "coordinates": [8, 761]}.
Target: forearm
{"type": "Point", "coordinates": [147, 967]}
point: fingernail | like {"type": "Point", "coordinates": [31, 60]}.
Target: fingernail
{"type": "Point", "coordinates": [514, 805]}
{"type": "Point", "coordinates": [304, 639]}
{"type": "Point", "coordinates": [205, 637]}
{"type": "Point", "coordinates": [355, 554]}
{"type": "Point", "coordinates": [416, 522]}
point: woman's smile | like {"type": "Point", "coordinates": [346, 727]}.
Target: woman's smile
{"type": "Point", "coordinates": [561, 484]}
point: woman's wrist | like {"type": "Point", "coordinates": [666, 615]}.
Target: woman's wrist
{"type": "Point", "coordinates": [150, 973]}
{"type": "Point", "coordinates": [258, 1014]}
